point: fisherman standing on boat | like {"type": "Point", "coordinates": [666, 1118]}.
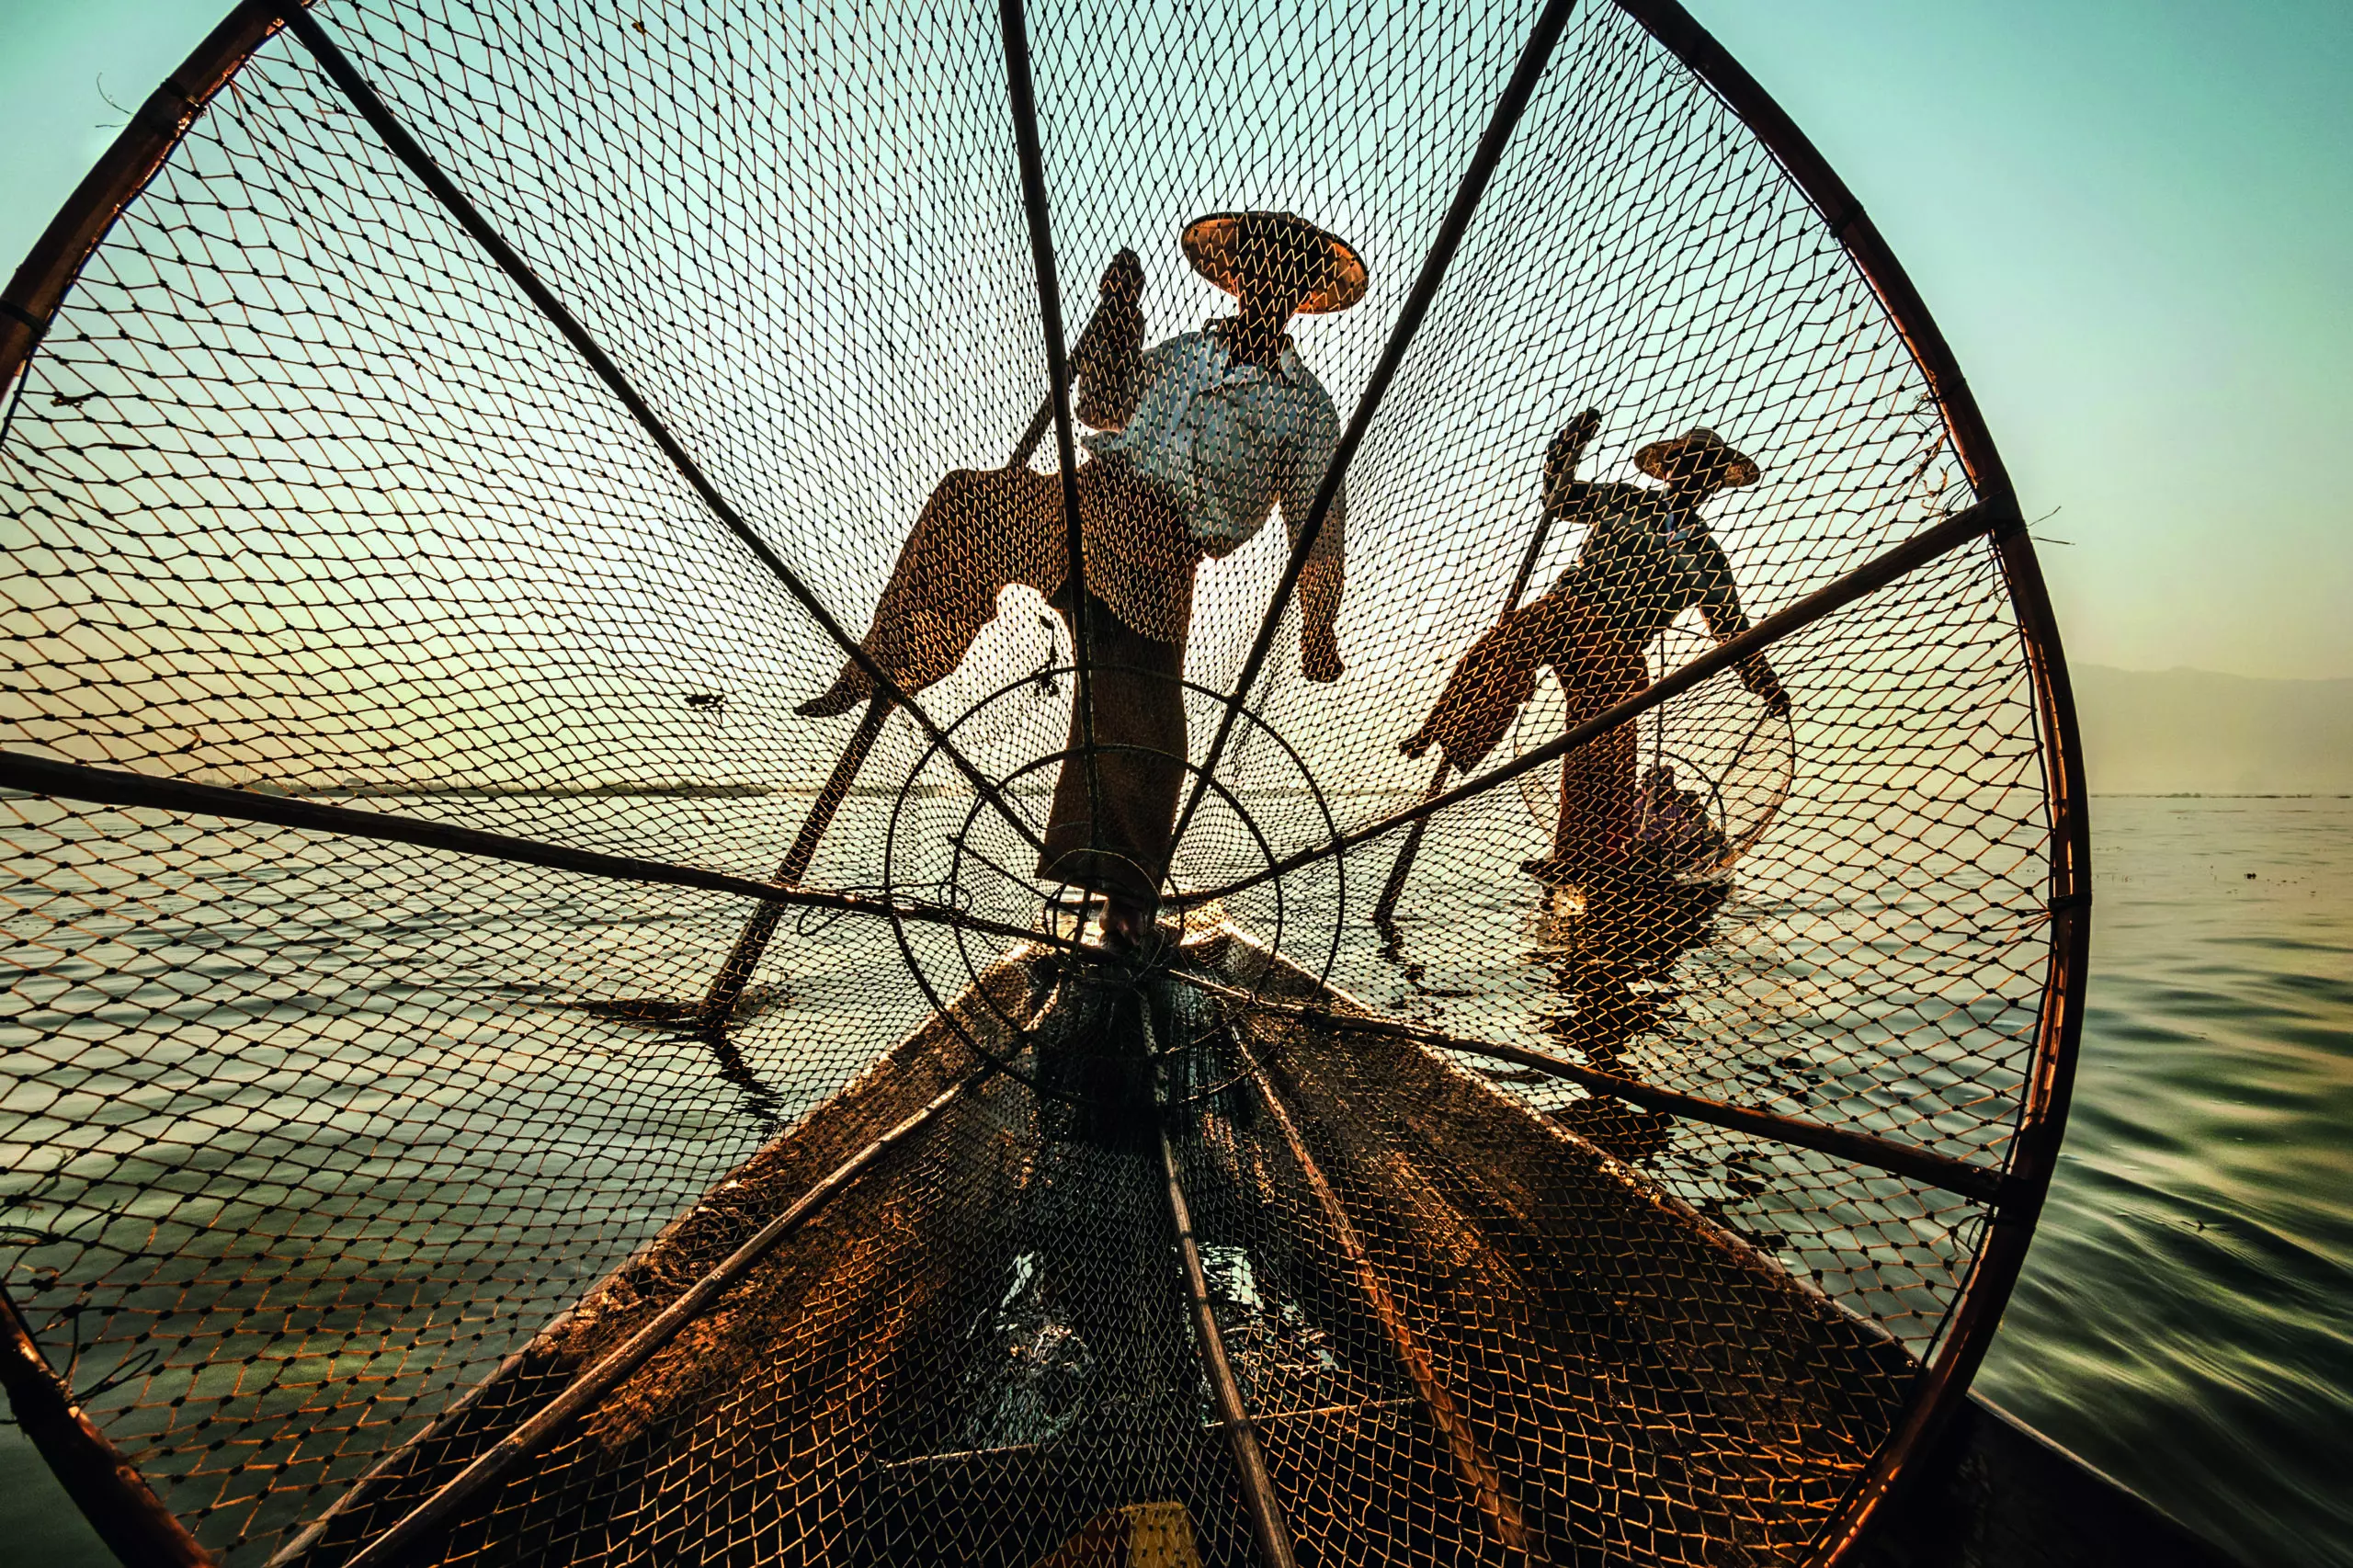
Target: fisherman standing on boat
{"type": "Point", "coordinates": [1647, 557]}
{"type": "Point", "coordinates": [1199, 440]}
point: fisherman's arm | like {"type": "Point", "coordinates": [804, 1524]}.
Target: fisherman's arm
{"type": "Point", "coordinates": [1719, 609]}
{"type": "Point", "coordinates": [1568, 500]}
{"type": "Point", "coordinates": [1107, 364]}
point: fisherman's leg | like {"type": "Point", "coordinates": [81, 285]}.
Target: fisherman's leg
{"type": "Point", "coordinates": [980, 530]}
{"type": "Point", "coordinates": [1578, 833]}
{"type": "Point", "coordinates": [1123, 850]}
{"type": "Point", "coordinates": [1596, 819]}
{"type": "Point", "coordinates": [1609, 790]}
{"type": "Point", "coordinates": [1490, 683]}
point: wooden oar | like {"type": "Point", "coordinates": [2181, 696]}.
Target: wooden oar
{"type": "Point", "coordinates": [1039, 423]}
{"type": "Point", "coordinates": [1385, 909]}
{"type": "Point", "coordinates": [727, 986]}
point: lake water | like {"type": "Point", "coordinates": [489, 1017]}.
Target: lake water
{"type": "Point", "coordinates": [2185, 1321]}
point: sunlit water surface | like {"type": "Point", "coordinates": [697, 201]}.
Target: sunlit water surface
{"type": "Point", "coordinates": [2185, 1321]}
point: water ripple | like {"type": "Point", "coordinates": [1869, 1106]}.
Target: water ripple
{"type": "Point", "coordinates": [2185, 1321]}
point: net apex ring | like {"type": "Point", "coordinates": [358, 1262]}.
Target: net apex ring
{"type": "Point", "coordinates": [902, 833]}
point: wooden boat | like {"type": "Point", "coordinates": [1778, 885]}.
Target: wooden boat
{"type": "Point", "coordinates": [1516, 1257]}
{"type": "Point", "coordinates": [1995, 1490]}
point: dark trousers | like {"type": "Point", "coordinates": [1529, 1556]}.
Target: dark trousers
{"type": "Point", "coordinates": [1112, 835]}
{"type": "Point", "coordinates": [984, 528]}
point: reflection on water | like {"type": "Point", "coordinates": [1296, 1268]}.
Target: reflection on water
{"type": "Point", "coordinates": [2186, 1318]}
{"type": "Point", "coordinates": [1848, 1001]}
{"type": "Point", "coordinates": [1038, 1382]}
{"type": "Point", "coordinates": [445, 1091]}
{"type": "Point", "coordinates": [1613, 953]}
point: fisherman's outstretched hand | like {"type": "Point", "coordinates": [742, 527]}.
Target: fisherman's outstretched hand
{"type": "Point", "coordinates": [1123, 280]}
{"type": "Point", "coordinates": [1578, 433]}
{"type": "Point", "coordinates": [1758, 677]}
{"type": "Point", "coordinates": [1565, 453]}
{"type": "Point", "coordinates": [1106, 363]}
{"type": "Point", "coordinates": [1567, 450]}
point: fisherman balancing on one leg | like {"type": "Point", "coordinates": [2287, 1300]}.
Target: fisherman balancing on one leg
{"type": "Point", "coordinates": [1647, 557]}
{"type": "Point", "coordinates": [1199, 439]}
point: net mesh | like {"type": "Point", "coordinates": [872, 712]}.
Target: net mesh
{"type": "Point", "coordinates": [330, 1160]}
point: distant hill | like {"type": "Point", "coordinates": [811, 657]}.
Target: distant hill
{"type": "Point", "coordinates": [2191, 731]}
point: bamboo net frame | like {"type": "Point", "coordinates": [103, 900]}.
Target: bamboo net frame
{"type": "Point", "coordinates": [200, 359]}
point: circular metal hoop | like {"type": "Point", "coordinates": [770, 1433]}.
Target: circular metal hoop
{"type": "Point", "coordinates": [950, 889]}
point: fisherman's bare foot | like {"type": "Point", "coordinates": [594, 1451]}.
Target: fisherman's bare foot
{"type": "Point", "coordinates": [1553, 871]}
{"type": "Point", "coordinates": [1319, 657]}
{"type": "Point", "coordinates": [1579, 870]}
{"type": "Point", "coordinates": [851, 689]}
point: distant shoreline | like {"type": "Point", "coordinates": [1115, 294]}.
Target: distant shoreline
{"type": "Point", "coordinates": [2194, 733]}
{"type": "Point", "coordinates": [749, 791]}
{"type": "Point", "coordinates": [2218, 795]}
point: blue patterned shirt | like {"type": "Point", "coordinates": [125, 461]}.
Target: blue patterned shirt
{"type": "Point", "coordinates": [1233, 440]}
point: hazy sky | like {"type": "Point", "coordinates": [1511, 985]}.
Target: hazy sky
{"type": "Point", "coordinates": [2133, 220]}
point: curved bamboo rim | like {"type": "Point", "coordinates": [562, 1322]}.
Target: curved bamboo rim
{"type": "Point", "coordinates": [30, 302]}
{"type": "Point", "coordinates": [127, 1516]}
{"type": "Point", "coordinates": [2042, 1118]}
{"type": "Point", "coordinates": [124, 1510]}
{"type": "Point", "coordinates": [112, 1490]}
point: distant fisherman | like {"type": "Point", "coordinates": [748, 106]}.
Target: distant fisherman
{"type": "Point", "coordinates": [1647, 557]}
{"type": "Point", "coordinates": [1202, 438]}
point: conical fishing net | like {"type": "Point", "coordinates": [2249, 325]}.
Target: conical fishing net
{"type": "Point", "coordinates": [488, 1080]}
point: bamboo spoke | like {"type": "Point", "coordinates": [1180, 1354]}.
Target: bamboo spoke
{"type": "Point", "coordinates": [413, 1528]}
{"type": "Point", "coordinates": [118, 787]}
{"type": "Point", "coordinates": [1534, 56]}
{"type": "Point", "coordinates": [1023, 102]}
{"type": "Point", "coordinates": [1478, 1472]}
{"type": "Point", "coordinates": [420, 162]}
{"type": "Point", "coordinates": [1225, 1391]}
{"type": "Point", "coordinates": [1976, 1183]}
{"type": "Point", "coordinates": [107, 1487]}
